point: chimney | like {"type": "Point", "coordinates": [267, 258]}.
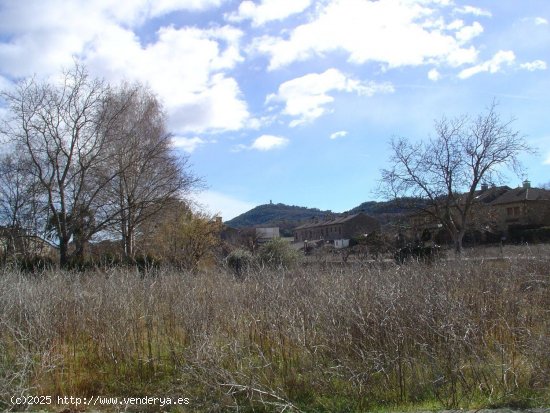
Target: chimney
{"type": "Point", "coordinates": [484, 186]}
{"type": "Point", "coordinates": [526, 184]}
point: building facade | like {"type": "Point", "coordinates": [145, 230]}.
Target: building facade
{"type": "Point", "coordinates": [496, 210]}
{"type": "Point", "coordinates": [336, 228]}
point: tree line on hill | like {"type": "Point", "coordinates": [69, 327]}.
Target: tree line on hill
{"type": "Point", "coordinates": [288, 217]}
{"type": "Point", "coordinates": [85, 160]}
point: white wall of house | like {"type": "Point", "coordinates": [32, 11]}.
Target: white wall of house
{"type": "Point", "coordinates": [341, 243]}
{"type": "Point", "coordinates": [267, 233]}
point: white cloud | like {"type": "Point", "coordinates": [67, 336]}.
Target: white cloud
{"type": "Point", "coordinates": [339, 134]}
{"type": "Point", "coordinates": [540, 21]}
{"type": "Point", "coordinates": [161, 7]}
{"type": "Point", "coordinates": [547, 160]}
{"type": "Point", "coordinates": [467, 33]}
{"type": "Point", "coordinates": [493, 65]}
{"type": "Point", "coordinates": [268, 10]}
{"type": "Point", "coordinates": [534, 65]}
{"type": "Point", "coordinates": [476, 11]}
{"type": "Point", "coordinates": [455, 25]}
{"type": "Point", "coordinates": [393, 32]}
{"type": "Point", "coordinates": [187, 67]}
{"type": "Point", "coordinates": [187, 144]}
{"type": "Point", "coordinates": [219, 203]}
{"type": "Point", "coordinates": [306, 97]}
{"type": "Point", "coordinates": [434, 75]}
{"type": "Point", "coordinates": [198, 97]}
{"type": "Point", "coordinates": [45, 35]}
{"type": "Point", "coordinates": [269, 142]}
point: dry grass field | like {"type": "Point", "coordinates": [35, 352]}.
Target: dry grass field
{"type": "Point", "coordinates": [469, 333]}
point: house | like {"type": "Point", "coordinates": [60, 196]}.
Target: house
{"type": "Point", "coordinates": [248, 237]}
{"type": "Point", "coordinates": [496, 211]}
{"type": "Point", "coordinates": [523, 207]}
{"type": "Point", "coordinates": [264, 235]}
{"type": "Point", "coordinates": [336, 228]}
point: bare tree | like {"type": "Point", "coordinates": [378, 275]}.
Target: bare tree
{"type": "Point", "coordinates": [445, 171]}
{"type": "Point", "coordinates": [22, 209]}
{"type": "Point", "coordinates": [148, 173]}
{"type": "Point", "coordinates": [61, 128]}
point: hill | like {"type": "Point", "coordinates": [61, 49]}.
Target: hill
{"type": "Point", "coordinates": [286, 217]}
{"type": "Point", "coordinates": [386, 211]}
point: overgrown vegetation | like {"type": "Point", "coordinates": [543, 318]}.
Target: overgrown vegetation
{"type": "Point", "coordinates": [347, 338]}
{"type": "Point", "coordinates": [86, 161]}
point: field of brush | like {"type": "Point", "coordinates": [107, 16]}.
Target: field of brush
{"type": "Point", "coordinates": [466, 333]}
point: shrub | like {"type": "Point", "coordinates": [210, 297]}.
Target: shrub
{"type": "Point", "coordinates": [277, 253]}
{"type": "Point", "coordinates": [531, 235]}
{"type": "Point", "coordinates": [239, 260]}
{"type": "Point", "coordinates": [35, 264]}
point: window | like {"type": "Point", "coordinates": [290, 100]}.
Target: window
{"type": "Point", "coordinates": [513, 211]}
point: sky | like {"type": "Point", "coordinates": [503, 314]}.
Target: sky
{"type": "Point", "coordinates": [295, 101]}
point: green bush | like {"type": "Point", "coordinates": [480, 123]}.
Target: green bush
{"type": "Point", "coordinates": [530, 235]}
{"type": "Point", "coordinates": [239, 260]}
{"type": "Point", "coordinates": [277, 253]}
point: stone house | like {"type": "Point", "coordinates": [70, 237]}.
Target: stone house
{"type": "Point", "coordinates": [522, 207]}
{"type": "Point", "coordinates": [496, 210]}
{"type": "Point", "coordinates": [248, 237]}
{"type": "Point", "coordinates": [264, 235]}
{"type": "Point", "coordinates": [336, 228]}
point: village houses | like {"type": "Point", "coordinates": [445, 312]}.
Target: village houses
{"type": "Point", "coordinates": [498, 212]}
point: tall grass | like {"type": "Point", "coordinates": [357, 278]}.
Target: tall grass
{"type": "Point", "coordinates": [453, 334]}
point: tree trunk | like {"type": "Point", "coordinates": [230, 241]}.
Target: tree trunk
{"type": "Point", "coordinates": [80, 249]}
{"type": "Point", "coordinates": [63, 252]}
{"type": "Point", "coordinates": [458, 237]}
{"type": "Point", "coordinates": [129, 243]}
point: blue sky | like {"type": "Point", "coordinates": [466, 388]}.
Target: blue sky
{"type": "Point", "coordinates": [294, 101]}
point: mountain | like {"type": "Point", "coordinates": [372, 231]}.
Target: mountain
{"type": "Point", "coordinates": [386, 211]}
{"type": "Point", "coordinates": [286, 217]}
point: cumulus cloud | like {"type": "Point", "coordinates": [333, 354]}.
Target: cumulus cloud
{"type": "Point", "coordinates": [476, 11]}
{"type": "Point", "coordinates": [467, 33]}
{"type": "Point", "coordinates": [540, 21]}
{"type": "Point", "coordinates": [41, 36]}
{"type": "Point", "coordinates": [534, 65]}
{"type": "Point", "coordinates": [263, 143]}
{"type": "Point", "coordinates": [187, 144]}
{"type": "Point", "coordinates": [269, 142]}
{"type": "Point", "coordinates": [45, 36]}
{"type": "Point", "coordinates": [393, 32]}
{"type": "Point", "coordinates": [339, 134]}
{"type": "Point", "coordinates": [307, 97]}
{"type": "Point", "coordinates": [198, 97]}
{"type": "Point", "coordinates": [267, 10]}
{"type": "Point", "coordinates": [434, 75]}
{"type": "Point", "coordinates": [493, 65]}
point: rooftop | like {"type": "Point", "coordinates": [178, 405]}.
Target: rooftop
{"type": "Point", "coordinates": [523, 194]}
{"type": "Point", "coordinates": [330, 221]}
